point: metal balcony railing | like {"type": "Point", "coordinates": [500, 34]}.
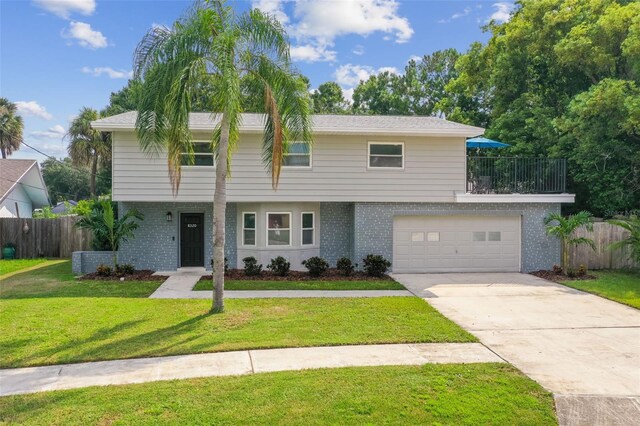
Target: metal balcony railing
{"type": "Point", "coordinates": [512, 175]}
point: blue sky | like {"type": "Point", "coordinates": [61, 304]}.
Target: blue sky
{"type": "Point", "coordinates": [60, 55]}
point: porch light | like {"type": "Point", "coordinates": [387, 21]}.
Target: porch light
{"type": "Point", "coordinates": [169, 217]}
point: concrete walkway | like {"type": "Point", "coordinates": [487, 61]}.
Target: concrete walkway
{"type": "Point", "coordinates": [141, 370]}
{"type": "Point", "coordinates": [583, 348]}
{"type": "Point", "coordinates": [180, 285]}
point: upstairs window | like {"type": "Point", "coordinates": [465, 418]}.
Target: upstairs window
{"type": "Point", "coordinates": [383, 155]}
{"type": "Point", "coordinates": [202, 155]}
{"type": "Point", "coordinates": [298, 155]}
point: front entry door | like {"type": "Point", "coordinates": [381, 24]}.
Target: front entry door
{"type": "Point", "coordinates": [192, 239]}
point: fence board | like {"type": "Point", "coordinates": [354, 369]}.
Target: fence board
{"type": "Point", "coordinates": [46, 237]}
{"type": "Point", "coordinates": [603, 235]}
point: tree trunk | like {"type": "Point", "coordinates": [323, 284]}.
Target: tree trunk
{"type": "Point", "coordinates": [565, 257]}
{"type": "Point", "coordinates": [219, 212]}
{"type": "Point", "coordinates": [92, 181]}
{"type": "Point", "coordinates": [4, 153]}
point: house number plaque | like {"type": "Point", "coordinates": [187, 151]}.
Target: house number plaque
{"type": "Point", "coordinates": [192, 225]}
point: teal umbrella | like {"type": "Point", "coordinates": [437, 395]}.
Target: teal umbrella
{"type": "Point", "coordinates": [480, 142]}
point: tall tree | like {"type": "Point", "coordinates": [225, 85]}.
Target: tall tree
{"type": "Point", "coordinates": [237, 55]}
{"type": "Point", "coordinates": [88, 146]}
{"type": "Point", "coordinates": [11, 127]}
{"type": "Point", "coordinates": [329, 99]}
{"type": "Point", "coordinates": [64, 181]}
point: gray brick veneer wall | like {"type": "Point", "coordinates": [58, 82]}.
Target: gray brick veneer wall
{"type": "Point", "coordinates": [373, 227]}
{"type": "Point", "coordinates": [86, 262]}
{"type": "Point", "coordinates": [336, 231]}
{"type": "Point", "coordinates": [156, 242]}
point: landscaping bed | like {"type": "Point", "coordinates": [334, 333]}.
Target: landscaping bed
{"type": "Point", "coordinates": [141, 275]}
{"type": "Point", "coordinates": [329, 275]}
{"type": "Point", "coordinates": [560, 277]}
{"type": "Point", "coordinates": [317, 284]}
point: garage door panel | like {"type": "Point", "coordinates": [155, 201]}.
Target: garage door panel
{"type": "Point", "coordinates": [460, 243]}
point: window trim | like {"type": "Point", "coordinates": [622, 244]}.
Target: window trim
{"type": "Point", "coordinates": [270, 229]}
{"type": "Point", "coordinates": [197, 166]}
{"type": "Point", "coordinates": [370, 143]}
{"type": "Point", "coordinates": [255, 230]}
{"type": "Point", "coordinates": [310, 166]}
{"type": "Point", "coordinates": [312, 229]}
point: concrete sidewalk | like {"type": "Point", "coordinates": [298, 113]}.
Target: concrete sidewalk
{"type": "Point", "coordinates": [141, 370]}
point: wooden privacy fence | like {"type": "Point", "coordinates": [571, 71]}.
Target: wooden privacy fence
{"type": "Point", "coordinates": [602, 235]}
{"type": "Point", "coordinates": [45, 237]}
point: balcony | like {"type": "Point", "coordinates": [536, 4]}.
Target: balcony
{"type": "Point", "coordinates": [516, 179]}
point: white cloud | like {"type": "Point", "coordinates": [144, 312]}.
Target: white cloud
{"type": "Point", "coordinates": [64, 8]}
{"type": "Point", "coordinates": [98, 71]}
{"type": "Point", "coordinates": [32, 108]}
{"type": "Point", "coordinates": [465, 12]}
{"type": "Point", "coordinates": [55, 132]}
{"type": "Point", "coordinates": [312, 53]}
{"type": "Point", "coordinates": [351, 75]}
{"type": "Point", "coordinates": [415, 58]}
{"type": "Point", "coordinates": [358, 50]}
{"type": "Point", "coordinates": [317, 23]}
{"type": "Point", "coordinates": [502, 12]}
{"type": "Point", "coordinates": [85, 36]}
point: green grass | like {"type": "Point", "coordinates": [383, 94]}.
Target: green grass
{"type": "Point", "coordinates": [58, 281]}
{"type": "Point", "coordinates": [472, 394]}
{"type": "Point", "coordinates": [621, 286]}
{"type": "Point", "coordinates": [302, 285]}
{"type": "Point", "coordinates": [65, 330]}
{"type": "Point", "coordinates": [13, 265]}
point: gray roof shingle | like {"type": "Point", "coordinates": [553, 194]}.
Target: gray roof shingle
{"type": "Point", "coordinates": [11, 171]}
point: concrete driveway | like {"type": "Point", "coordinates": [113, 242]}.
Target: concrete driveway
{"type": "Point", "coordinates": [583, 348]}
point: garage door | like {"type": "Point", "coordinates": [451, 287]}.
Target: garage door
{"type": "Point", "coordinates": [456, 244]}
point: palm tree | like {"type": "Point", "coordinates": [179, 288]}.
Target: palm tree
{"type": "Point", "coordinates": [631, 224]}
{"type": "Point", "coordinates": [564, 229]}
{"type": "Point", "coordinates": [242, 57]}
{"type": "Point", "coordinates": [11, 127]}
{"type": "Point", "coordinates": [88, 146]}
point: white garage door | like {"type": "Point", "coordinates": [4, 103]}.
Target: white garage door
{"type": "Point", "coordinates": [456, 244]}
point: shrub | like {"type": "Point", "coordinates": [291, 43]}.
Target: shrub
{"type": "Point", "coordinates": [279, 266]}
{"type": "Point", "coordinates": [125, 269]}
{"type": "Point", "coordinates": [251, 267]}
{"type": "Point", "coordinates": [375, 265]}
{"type": "Point", "coordinates": [344, 266]}
{"type": "Point", "coordinates": [582, 271]}
{"type": "Point", "coordinates": [572, 273]}
{"type": "Point", "coordinates": [557, 269]}
{"type": "Point", "coordinates": [316, 266]}
{"type": "Point", "coordinates": [104, 270]}
{"type": "Point", "coordinates": [226, 264]}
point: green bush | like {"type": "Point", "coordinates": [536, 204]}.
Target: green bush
{"type": "Point", "coordinates": [251, 267]}
{"type": "Point", "coordinates": [375, 265]}
{"type": "Point", "coordinates": [104, 270]}
{"type": "Point", "coordinates": [316, 266]}
{"type": "Point", "coordinates": [279, 266]}
{"type": "Point", "coordinates": [345, 266]}
{"type": "Point", "coordinates": [125, 269]}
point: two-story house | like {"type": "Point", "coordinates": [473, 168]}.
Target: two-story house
{"type": "Point", "coordinates": [401, 187]}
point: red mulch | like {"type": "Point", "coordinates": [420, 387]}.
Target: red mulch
{"type": "Point", "coordinates": [330, 275]}
{"type": "Point", "coordinates": [142, 275]}
{"type": "Point", "coordinates": [559, 278]}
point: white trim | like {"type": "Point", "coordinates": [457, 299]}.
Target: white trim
{"type": "Point", "coordinates": [312, 229]}
{"type": "Point", "coordinates": [310, 166]}
{"type": "Point", "coordinates": [514, 198]}
{"type": "Point", "coordinates": [369, 143]}
{"type": "Point", "coordinates": [286, 229]}
{"type": "Point", "coordinates": [255, 230]}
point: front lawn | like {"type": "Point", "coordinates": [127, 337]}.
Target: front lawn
{"type": "Point", "coordinates": [206, 284]}
{"type": "Point", "coordinates": [9, 266]}
{"type": "Point", "coordinates": [478, 394]}
{"type": "Point", "coordinates": [621, 286]}
{"type": "Point", "coordinates": [58, 281]}
{"type": "Point", "coordinates": [65, 330]}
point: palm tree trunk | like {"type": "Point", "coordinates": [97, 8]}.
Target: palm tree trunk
{"type": "Point", "coordinates": [4, 153]}
{"type": "Point", "coordinates": [219, 212]}
{"type": "Point", "coordinates": [92, 181]}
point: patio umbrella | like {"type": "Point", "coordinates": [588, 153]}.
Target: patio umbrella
{"type": "Point", "coordinates": [480, 142]}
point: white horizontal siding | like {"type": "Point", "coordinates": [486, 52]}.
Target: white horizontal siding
{"type": "Point", "coordinates": [434, 169]}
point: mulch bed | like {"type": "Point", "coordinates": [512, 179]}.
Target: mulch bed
{"type": "Point", "coordinates": [559, 278]}
{"type": "Point", "coordinates": [330, 275]}
{"type": "Point", "coordinates": [142, 275]}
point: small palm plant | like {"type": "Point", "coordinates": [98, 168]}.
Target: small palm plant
{"type": "Point", "coordinates": [564, 229]}
{"type": "Point", "coordinates": [109, 231]}
{"type": "Point", "coordinates": [631, 224]}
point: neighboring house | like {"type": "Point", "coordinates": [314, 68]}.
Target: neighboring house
{"type": "Point", "coordinates": [401, 187]}
{"type": "Point", "coordinates": [22, 188]}
{"type": "Point", "coordinates": [64, 207]}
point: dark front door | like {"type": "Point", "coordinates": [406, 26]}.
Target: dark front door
{"type": "Point", "coordinates": [192, 239]}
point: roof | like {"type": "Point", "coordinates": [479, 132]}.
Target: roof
{"type": "Point", "coordinates": [321, 124]}
{"type": "Point", "coordinates": [25, 173]}
{"type": "Point", "coordinates": [61, 207]}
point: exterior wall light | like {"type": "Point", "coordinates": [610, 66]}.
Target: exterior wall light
{"type": "Point", "coordinates": [169, 217]}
